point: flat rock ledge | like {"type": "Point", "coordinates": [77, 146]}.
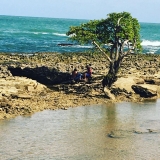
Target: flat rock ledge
{"type": "Point", "coordinates": [26, 88]}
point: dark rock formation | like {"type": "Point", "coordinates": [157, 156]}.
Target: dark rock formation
{"type": "Point", "coordinates": [144, 92]}
{"type": "Point", "coordinates": [65, 44]}
{"type": "Point", "coordinates": [42, 74]}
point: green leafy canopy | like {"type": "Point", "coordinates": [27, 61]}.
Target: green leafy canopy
{"type": "Point", "coordinates": [117, 27]}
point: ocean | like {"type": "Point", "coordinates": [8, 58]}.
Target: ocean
{"type": "Point", "coordinates": [35, 34]}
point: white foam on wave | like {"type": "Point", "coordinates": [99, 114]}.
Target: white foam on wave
{"type": "Point", "coordinates": [35, 32]}
{"type": "Point", "coordinates": [59, 34]}
{"type": "Point", "coordinates": [24, 32]}
{"type": "Point", "coordinates": [81, 46]}
{"type": "Point", "coordinates": [45, 33]}
{"type": "Point", "coordinates": [15, 32]}
{"type": "Point", "coordinates": [39, 33]}
{"type": "Point", "coordinates": [150, 43]}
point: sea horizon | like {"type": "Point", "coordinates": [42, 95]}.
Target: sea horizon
{"type": "Point", "coordinates": [66, 18]}
{"type": "Point", "coordinates": [47, 17]}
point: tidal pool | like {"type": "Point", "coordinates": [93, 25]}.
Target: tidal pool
{"type": "Point", "coordinates": [123, 131]}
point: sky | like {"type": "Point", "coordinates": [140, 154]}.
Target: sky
{"type": "Point", "coordinates": [143, 10]}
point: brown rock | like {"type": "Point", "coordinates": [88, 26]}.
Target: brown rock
{"type": "Point", "coordinates": [139, 81]}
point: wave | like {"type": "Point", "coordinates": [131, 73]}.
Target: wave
{"type": "Point", "coordinates": [38, 33]}
{"type": "Point", "coordinates": [33, 32]}
{"type": "Point", "coordinates": [21, 32]}
{"type": "Point", "coordinates": [82, 46]}
{"type": "Point", "coordinates": [150, 43]}
{"type": "Point", "coordinates": [59, 34]}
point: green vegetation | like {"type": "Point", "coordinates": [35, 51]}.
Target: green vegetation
{"type": "Point", "coordinates": [115, 37]}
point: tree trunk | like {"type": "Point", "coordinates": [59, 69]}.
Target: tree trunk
{"type": "Point", "coordinates": [111, 77]}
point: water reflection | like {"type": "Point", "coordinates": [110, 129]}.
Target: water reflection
{"type": "Point", "coordinates": [82, 133]}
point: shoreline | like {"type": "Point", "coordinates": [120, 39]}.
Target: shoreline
{"type": "Point", "coordinates": [23, 96]}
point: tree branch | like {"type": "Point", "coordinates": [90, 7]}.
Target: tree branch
{"type": "Point", "coordinates": [102, 51]}
{"type": "Point", "coordinates": [129, 50]}
{"type": "Point", "coordinates": [119, 21]}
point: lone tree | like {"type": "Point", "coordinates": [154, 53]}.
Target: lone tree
{"type": "Point", "coordinates": [115, 37]}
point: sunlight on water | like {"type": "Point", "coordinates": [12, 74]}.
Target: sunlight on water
{"type": "Point", "coordinates": [114, 132]}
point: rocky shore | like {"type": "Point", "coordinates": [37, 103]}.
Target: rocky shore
{"type": "Point", "coordinates": [31, 83]}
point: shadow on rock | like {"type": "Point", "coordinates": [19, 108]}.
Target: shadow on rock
{"type": "Point", "coordinates": [44, 75]}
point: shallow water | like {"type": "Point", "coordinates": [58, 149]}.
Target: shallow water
{"type": "Point", "coordinates": [112, 132]}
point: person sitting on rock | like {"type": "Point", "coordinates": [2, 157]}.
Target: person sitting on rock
{"type": "Point", "coordinates": [76, 76]}
{"type": "Point", "coordinates": [88, 73]}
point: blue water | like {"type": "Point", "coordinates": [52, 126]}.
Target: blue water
{"type": "Point", "coordinates": [150, 36]}
{"type": "Point", "coordinates": [32, 34]}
